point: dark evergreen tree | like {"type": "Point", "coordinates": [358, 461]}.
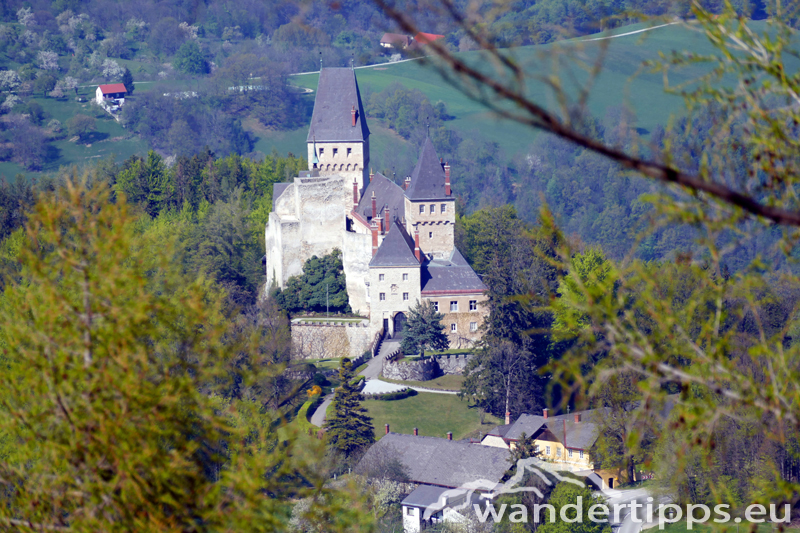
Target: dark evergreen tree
{"type": "Point", "coordinates": [321, 288]}
{"type": "Point", "coordinates": [127, 80]}
{"type": "Point", "coordinates": [349, 429]}
{"type": "Point", "coordinates": [424, 330]}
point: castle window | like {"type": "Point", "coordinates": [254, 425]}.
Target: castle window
{"type": "Point", "coordinates": [473, 326]}
{"type": "Point", "coordinates": [405, 277]}
{"type": "Point", "coordinates": [473, 305]}
{"type": "Point", "coordinates": [349, 151]}
{"type": "Point", "coordinates": [382, 296]}
{"type": "Point", "coordinates": [422, 210]}
{"type": "Point", "coordinates": [380, 277]}
{"type": "Point", "coordinates": [433, 209]}
{"type": "Point", "coordinates": [430, 235]}
{"type": "Point", "coordinates": [405, 296]}
{"type": "Point", "coordinates": [321, 151]}
{"type": "Point", "coordinates": [436, 306]}
{"type": "Point", "coordinates": [335, 152]}
{"type": "Point", "coordinates": [348, 166]}
{"type": "Point", "coordinates": [453, 328]}
{"type": "Point", "coordinates": [454, 306]}
{"type": "Point", "coordinates": [444, 208]}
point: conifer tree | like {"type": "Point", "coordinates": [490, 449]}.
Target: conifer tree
{"type": "Point", "coordinates": [127, 81]}
{"type": "Point", "coordinates": [424, 330]}
{"type": "Point", "coordinates": [349, 427]}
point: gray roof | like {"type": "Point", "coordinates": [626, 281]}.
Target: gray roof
{"type": "Point", "coordinates": [387, 194]}
{"type": "Point", "coordinates": [396, 250]}
{"type": "Point", "coordinates": [453, 274]}
{"type": "Point", "coordinates": [434, 497]}
{"type": "Point", "coordinates": [528, 424]}
{"type": "Point", "coordinates": [277, 190]}
{"type": "Point", "coordinates": [443, 462]}
{"type": "Point", "coordinates": [427, 179]}
{"type": "Point", "coordinates": [337, 94]}
{"type": "Point", "coordinates": [500, 431]}
{"type": "Point", "coordinates": [579, 434]}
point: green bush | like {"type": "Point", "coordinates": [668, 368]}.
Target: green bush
{"type": "Point", "coordinates": [390, 396]}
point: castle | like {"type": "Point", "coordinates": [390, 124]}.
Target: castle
{"type": "Point", "coordinates": [397, 243]}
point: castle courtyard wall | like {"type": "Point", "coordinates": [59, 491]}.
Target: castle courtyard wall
{"type": "Point", "coordinates": [325, 340]}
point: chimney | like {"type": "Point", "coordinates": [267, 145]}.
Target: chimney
{"type": "Point", "coordinates": [387, 429]}
{"type": "Point", "coordinates": [374, 206]}
{"type": "Point", "coordinates": [449, 435]}
{"type": "Point", "coordinates": [380, 225]}
{"type": "Point", "coordinates": [387, 218]}
{"type": "Point", "coordinates": [416, 432]}
{"type": "Point", "coordinates": [374, 227]}
{"type": "Point", "coordinates": [544, 411]}
{"type": "Point", "coordinates": [447, 179]}
{"type": "Point", "coordinates": [371, 173]}
{"type": "Point", "coordinates": [577, 417]}
{"type": "Point", "coordinates": [353, 113]}
{"type": "Point", "coordinates": [508, 417]}
{"type": "Point", "coordinates": [355, 194]}
{"type": "Point", "coordinates": [416, 244]}
{"type": "Point", "coordinates": [407, 182]}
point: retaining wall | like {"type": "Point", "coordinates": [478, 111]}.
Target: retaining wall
{"type": "Point", "coordinates": [325, 340]}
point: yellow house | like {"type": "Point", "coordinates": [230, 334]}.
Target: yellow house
{"type": "Point", "coordinates": [563, 440]}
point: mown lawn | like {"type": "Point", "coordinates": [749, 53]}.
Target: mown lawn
{"type": "Point", "coordinates": [433, 414]}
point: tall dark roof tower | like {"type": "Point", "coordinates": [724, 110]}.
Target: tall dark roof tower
{"type": "Point", "coordinates": [428, 178]}
{"type": "Point", "coordinates": [338, 112]}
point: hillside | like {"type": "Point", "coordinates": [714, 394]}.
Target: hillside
{"type": "Point", "coordinates": [618, 84]}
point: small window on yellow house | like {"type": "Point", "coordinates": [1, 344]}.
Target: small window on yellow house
{"type": "Point", "coordinates": [580, 454]}
{"type": "Point", "coordinates": [558, 452]}
{"type": "Point", "coordinates": [569, 453]}
{"type": "Point", "coordinates": [547, 450]}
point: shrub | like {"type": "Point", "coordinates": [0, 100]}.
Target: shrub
{"type": "Point", "coordinates": [390, 396]}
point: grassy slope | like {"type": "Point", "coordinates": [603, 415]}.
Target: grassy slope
{"type": "Point", "coordinates": [433, 414]}
{"type": "Point", "coordinates": [616, 85]}
{"type": "Point", "coordinates": [620, 81]}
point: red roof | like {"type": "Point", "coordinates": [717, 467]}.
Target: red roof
{"type": "Point", "coordinates": [113, 88]}
{"type": "Point", "coordinates": [425, 38]}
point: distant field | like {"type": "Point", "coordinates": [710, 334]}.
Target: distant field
{"type": "Point", "coordinates": [619, 83]}
{"type": "Point", "coordinates": [433, 414]}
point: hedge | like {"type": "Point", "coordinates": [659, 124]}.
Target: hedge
{"type": "Point", "coordinates": [389, 396]}
{"type": "Point", "coordinates": [306, 410]}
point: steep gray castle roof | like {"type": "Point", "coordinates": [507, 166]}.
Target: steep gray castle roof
{"type": "Point", "coordinates": [277, 190]}
{"type": "Point", "coordinates": [396, 250]}
{"type": "Point", "coordinates": [450, 275]}
{"type": "Point", "coordinates": [442, 462]}
{"type": "Point", "coordinates": [337, 94]}
{"type": "Point", "coordinates": [387, 194]}
{"type": "Point", "coordinates": [427, 179]}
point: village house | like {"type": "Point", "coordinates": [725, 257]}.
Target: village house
{"type": "Point", "coordinates": [395, 40]}
{"type": "Point", "coordinates": [113, 93]}
{"type": "Point", "coordinates": [441, 469]}
{"type": "Point", "coordinates": [564, 441]}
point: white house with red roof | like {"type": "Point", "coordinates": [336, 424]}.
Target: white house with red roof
{"type": "Point", "coordinates": [110, 91]}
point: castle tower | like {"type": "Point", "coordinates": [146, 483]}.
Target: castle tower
{"type": "Point", "coordinates": [430, 204]}
{"type": "Point", "coordinates": [338, 138]}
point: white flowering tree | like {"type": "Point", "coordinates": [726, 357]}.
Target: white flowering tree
{"type": "Point", "coordinates": [47, 60]}
{"type": "Point", "coordinates": [9, 80]}
{"type": "Point", "coordinates": [111, 69]}
{"type": "Point", "coordinates": [10, 102]}
{"type": "Point", "coordinates": [25, 16]}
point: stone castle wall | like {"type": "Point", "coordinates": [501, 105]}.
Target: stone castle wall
{"type": "Point", "coordinates": [426, 369]}
{"type": "Point", "coordinates": [324, 340]}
